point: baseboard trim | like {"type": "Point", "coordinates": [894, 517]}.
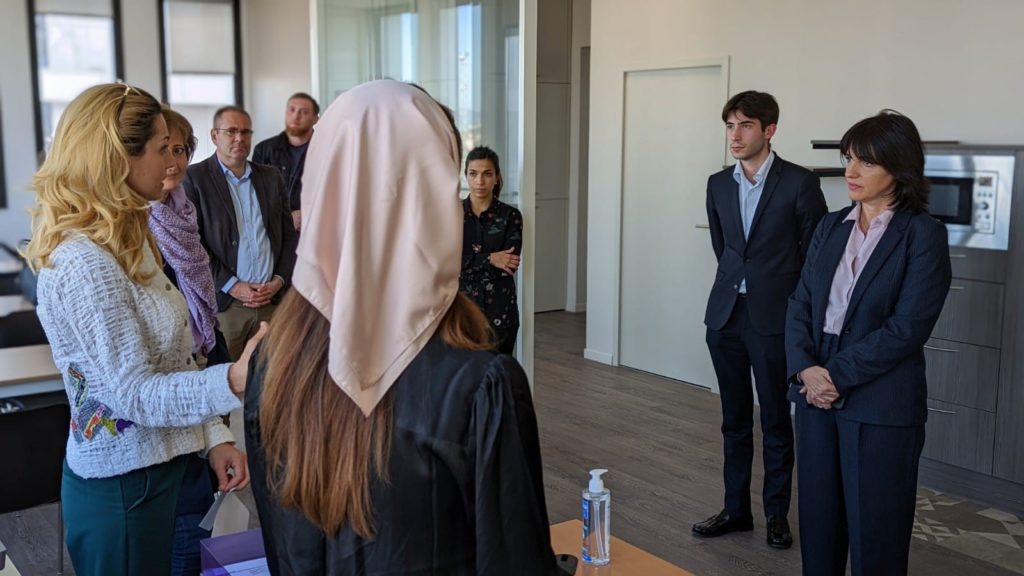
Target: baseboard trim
{"type": "Point", "coordinates": [598, 356]}
{"type": "Point", "coordinates": [996, 492]}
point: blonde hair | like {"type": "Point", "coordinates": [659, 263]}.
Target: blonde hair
{"type": "Point", "coordinates": [82, 185]}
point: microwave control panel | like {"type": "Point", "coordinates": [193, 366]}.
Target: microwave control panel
{"type": "Point", "coordinates": [985, 202]}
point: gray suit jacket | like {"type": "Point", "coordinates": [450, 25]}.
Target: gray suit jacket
{"type": "Point", "coordinates": [207, 188]}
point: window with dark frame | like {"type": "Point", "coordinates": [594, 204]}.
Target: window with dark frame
{"type": "Point", "coordinates": [74, 44]}
{"type": "Point", "coordinates": [201, 61]}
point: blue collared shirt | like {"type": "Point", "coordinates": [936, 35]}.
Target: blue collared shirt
{"type": "Point", "coordinates": [255, 257]}
{"type": "Point", "coordinates": [750, 195]}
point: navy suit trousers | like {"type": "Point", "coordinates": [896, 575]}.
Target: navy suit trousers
{"type": "Point", "coordinates": [858, 489]}
{"type": "Point", "coordinates": [737, 349]}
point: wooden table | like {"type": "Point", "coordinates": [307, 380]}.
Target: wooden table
{"type": "Point", "coordinates": [627, 560]}
{"type": "Point", "coordinates": [26, 370]}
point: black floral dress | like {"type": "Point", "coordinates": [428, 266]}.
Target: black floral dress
{"type": "Point", "coordinates": [498, 228]}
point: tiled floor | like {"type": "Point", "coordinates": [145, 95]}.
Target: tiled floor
{"type": "Point", "coordinates": [972, 529]}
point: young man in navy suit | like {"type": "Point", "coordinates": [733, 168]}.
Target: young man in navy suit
{"type": "Point", "coordinates": [762, 213]}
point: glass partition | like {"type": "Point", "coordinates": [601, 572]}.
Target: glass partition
{"type": "Point", "coordinates": [465, 53]}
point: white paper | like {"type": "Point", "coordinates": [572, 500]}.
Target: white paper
{"type": "Point", "coordinates": [227, 515]}
{"type": "Point", "coordinates": [257, 567]}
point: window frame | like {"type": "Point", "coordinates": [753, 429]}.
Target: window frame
{"type": "Point", "coordinates": [33, 48]}
{"type": "Point", "coordinates": [236, 23]}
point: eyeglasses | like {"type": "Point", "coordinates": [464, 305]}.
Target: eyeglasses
{"type": "Point", "coordinates": [232, 132]}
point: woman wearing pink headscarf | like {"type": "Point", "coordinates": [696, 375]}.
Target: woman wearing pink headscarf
{"type": "Point", "coordinates": [384, 436]}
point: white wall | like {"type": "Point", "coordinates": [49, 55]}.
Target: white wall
{"type": "Point", "coordinates": [140, 33]}
{"type": "Point", "coordinates": [576, 297]}
{"type": "Point", "coordinates": [276, 63]}
{"type": "Point", "coordinates": [953, 66]}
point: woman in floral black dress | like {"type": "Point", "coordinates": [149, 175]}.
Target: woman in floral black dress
{"type": "Point", "coordinates": [491, 242]}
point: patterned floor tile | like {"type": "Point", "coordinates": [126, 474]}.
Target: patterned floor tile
{"type": "Point", "coordinates": [984, 533]}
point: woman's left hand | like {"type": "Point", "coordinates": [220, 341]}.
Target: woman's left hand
{"type": "Point", "coordinates": [818, 387]}
{"type": "Point", "coordinates": [224, 458]}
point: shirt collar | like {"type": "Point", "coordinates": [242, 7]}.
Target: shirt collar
{"type": "Point", "coordinates": [227, 171]}
{"type": "Point", "coordinates": [882, 219]}
{"type": "Point", "coordinates": [737, 171]}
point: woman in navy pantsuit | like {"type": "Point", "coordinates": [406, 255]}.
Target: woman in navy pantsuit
{"type": "Point", "coordinates": [874, 282]}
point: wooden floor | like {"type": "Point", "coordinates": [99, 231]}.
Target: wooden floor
{"type": "Point", "coordinates": [660, 441]}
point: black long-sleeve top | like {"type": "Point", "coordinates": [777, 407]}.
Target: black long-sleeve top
{"type": "Point", "coordinates": [498, 228]}
{"type": "Point", "coordinates": [465, 494]}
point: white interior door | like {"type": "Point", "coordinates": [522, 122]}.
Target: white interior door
{"type": "Point", "coordinates": [673, 140]}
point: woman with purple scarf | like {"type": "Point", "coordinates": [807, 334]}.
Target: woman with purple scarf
{"type": "Point", "coordinates": [186, 264]}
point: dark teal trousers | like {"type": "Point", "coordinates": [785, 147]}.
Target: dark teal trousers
{"type": "Point", "coordinates": [122, 526]}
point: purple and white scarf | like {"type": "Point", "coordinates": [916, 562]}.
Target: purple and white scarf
{"type": "Point", "coordinates": [173, 223]}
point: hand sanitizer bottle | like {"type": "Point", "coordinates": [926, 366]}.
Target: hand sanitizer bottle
{"type": "Point", "coordinates": [597, 536]}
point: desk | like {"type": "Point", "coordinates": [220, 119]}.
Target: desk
{"type": "Point", "coordinates": [27, 370]}
{"type": "Point", "coordinates": [10, 303]}
{"type": "Point", "coordinates": [627, 560]}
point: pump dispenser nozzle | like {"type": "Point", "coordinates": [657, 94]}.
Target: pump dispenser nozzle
{"type": "Point", "coordinates": [596, 483]}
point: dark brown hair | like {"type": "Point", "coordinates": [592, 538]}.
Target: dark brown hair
{"type": "Point", "coordinates": [891, 140]}
{"type": "Point", "coordinates": [758, 105]}
{"type": "Point", "coordinates": [178, 123]}
{"type": "Point", "coordinates": [319, 447]}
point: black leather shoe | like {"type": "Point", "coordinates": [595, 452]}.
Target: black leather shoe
{"type": "Point", "coordinates": [779, 535]}
{"type": "Point", "coordinates": [722, 523]}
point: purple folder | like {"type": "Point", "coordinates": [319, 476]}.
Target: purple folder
{"type": "Point", "coordinates": [216, 553]}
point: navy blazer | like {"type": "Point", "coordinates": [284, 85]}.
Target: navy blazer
{"type": "Point", "coordinates": [207, 188]}
{"type": "Point", "coordinates": [879, 366]}
{"type": "Point", "coordinates": [770, 258]}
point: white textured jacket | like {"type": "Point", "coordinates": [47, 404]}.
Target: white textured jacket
{"type": "Point", "coordinates": [125, 353]}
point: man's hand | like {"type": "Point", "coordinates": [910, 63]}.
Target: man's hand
{"type": "Point", "coordinates": [818, 387]}
{"type": "Point", "coordinates": [242, 291]}
{"type": "Point", "coordinates": [262, 293]}
{"type": "Point", "coordinates": [297, 219]}
{"type": "Point", "coordinates": [505, 260]}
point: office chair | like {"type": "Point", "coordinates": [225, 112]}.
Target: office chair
{"type": "Point", "coordinates": [21, 328]}
{"type": "Point", "coordinates": [35, 440]}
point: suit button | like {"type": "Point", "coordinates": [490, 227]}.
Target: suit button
{"type": "Point", "coordinates": [747, 260]}
{"type": "Point", "coordinates": [846, 331]}
{"type": "Point", "coordinates": [234, 242]}
{"type": "Point", "coordinates": [735, 286]}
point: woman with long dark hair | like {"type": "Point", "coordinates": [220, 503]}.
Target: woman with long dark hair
{"type": "Point", "coordinates": [492, 240]}
{"type": "Point", "coordinates": [383, 436]}
{"type": "Point", "coordinates": [871, 290]}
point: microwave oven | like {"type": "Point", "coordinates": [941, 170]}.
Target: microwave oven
{"type": "Point", "coordinates": [971, 195]}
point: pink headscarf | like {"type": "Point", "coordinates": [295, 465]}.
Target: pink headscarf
{"type": "Point", "coordinates": [379, 254]}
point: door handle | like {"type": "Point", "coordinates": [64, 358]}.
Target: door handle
{"type": "Point", "coordinates": [937, 349]}
{"type": "Point", "coordinates": [957, 288]}
{"type": "Point", "coordinates": [961, 256]}
{"type": "Point", "coordinates": [930, 409]}
{"type": "Point", "coordinates": [702, 226]}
